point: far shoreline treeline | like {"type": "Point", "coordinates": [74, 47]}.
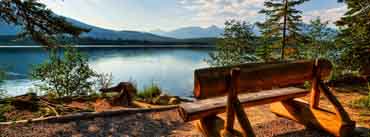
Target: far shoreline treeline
{"type": "Point", "coordinates": [14, 40]}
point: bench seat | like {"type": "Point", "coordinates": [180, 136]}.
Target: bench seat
{"type": "Point", "coordinates": [213, 106]}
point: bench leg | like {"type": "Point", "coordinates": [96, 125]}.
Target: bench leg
{"type": "Point", "coordinates": [300, 111]}
{"type": "Point", "coordinates": [243, 119]}
{"type": "Point", "coordinates": [210, 126]}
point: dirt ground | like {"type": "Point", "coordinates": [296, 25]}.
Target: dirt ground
{"type": "Point", "coordinates": [169, 123]}
{"type": "Point", "coordinates": [158, 124]}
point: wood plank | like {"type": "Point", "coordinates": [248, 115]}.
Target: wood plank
{"type": "Point", "coordinates": [315, 92]}
{"type": "Point", "coordinates": [213, 106]}
{"type": "Point", "coordinates": [339, 109]}
{"type": "Point", "coordinates": [300, 111]}
{"type": "Point", "coordinates": [210, 126]}
{"type": "Point", "coordinates": [211, 82]}
{"type": "Point", "coordinates": [231, 96]}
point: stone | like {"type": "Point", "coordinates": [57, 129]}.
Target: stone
{"type": "Point", "coordinates": [174, 101]}
{"type": "Point", "coordinates": [126, 90]}
{"type": "Point", "coordinates": [28, 101]}
{"type": "Point", "coordinates": [162, 99]}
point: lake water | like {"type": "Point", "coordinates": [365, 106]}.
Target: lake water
{"type": "Point", "coordinates": [171, 68]}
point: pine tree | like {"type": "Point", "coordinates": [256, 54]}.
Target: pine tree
{"type": "Point", "coordinates": [355, 30]}
{"type": "Point", "coordinates": [320, 38]}
{"type": "Point", "coordinates": [38, 22]}
{"type": "Point", "coordinates": [282, 22]}
{"type": "Point", "coordinates": [236, 45]}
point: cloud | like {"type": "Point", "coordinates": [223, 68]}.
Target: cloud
{"type": "Point", "coordinates": [331, 15]}
{"type": "Point", "coordinates": [217, 11]}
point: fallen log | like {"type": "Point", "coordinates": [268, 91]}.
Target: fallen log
{"type": "Point", "coordinates": [90, 115]}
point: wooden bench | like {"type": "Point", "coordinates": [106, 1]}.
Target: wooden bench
{"type": "Point", "coordinates": [230, 89]}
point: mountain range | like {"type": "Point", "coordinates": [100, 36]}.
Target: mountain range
{"type": "Point", "coordinates": [185, 35]}
{"type": "Point", "coordinates": [191, 32]}
{"type": "Point", "coordinates": [95, 32]}
{"type": "Point", "coordinates": [108, 34]}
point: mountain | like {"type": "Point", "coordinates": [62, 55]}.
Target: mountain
{"type": "Point", "coordinates": [95, 32]}
{"type": "Point", "coordinates": [6, 29]}
{"type": "Point", "coordinates": [107, 34]}
{"type": "Point", "coordinates": [191, 32]}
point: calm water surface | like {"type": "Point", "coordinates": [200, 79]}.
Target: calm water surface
{"type": "Point", "coordinates": [171, 68]}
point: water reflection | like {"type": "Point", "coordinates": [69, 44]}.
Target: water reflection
{"type": "Point", "coordinates": [172, 69]}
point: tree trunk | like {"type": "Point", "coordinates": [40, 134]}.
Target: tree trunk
{"type": "Point", "coordinates": [284, 29]}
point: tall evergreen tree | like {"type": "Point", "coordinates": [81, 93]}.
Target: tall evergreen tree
{"type": "Point", "coordinates": [355, 30]}
{"type": "Point", "coordinates": [320, 37]}
{"type": "Point", "coordinates": [236, 45]}
{"type": "Point", "coordinates": [37, 22]}
{"type": "Point", "coordinates": [282, 22]}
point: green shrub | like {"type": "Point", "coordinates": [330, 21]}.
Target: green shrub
{"type": "Point", "coordinates": [150, 92]}
{"type": "Point", "coordinates": [368, 87]}
{"type": "Point", "coordinates": [104, 80]}
{"type": "Point", "coordinates": [65, 75]}
{"type": "Point", "coordinates": [236, 46]}
{"type": "Point", "coordinates": [4, 107]}
{"type": "Point", "coordinates": [2, 78]}
{"type": "Point", "coordinates": [361, 103]}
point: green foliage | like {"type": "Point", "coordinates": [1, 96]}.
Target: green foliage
{"type": "Point", "coordinates": [264, 52]}
{"type": "Point", "coordinates": [282, 24]}
{"type": "Point", "coordinates": [37, 21]}
{"type": "Point", "coordinates": [236, 46]}
{"type": "Point", "coordinates": [69, 75]}
{"type": "Point", "coordinates": [368, 96]}
{"type": "Point", "coordinates": [104, 80]}
{"type": "Point", "coordinates": [150, 92]}
{"type": "Point", "coordinates": [354, 36]}
{"type": "Point", "coordinates": [4, 108]}
{"type": "Point", "coordinates": [362, 103]}
{"type": "Point", "coordinates": [320, 39]}
{"type": "Point", "coordinates": [2, 78]}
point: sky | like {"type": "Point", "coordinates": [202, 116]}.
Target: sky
{"type": "Point", "coordinates": [149, 15]}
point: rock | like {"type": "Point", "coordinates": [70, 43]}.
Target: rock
{"type": "Point", "coordinates": [365, 70]}
{"type": "Point", "coordinates": [28, 101]}
{"type": "Point", "coordinates": [163, 99]}
{"type": "Point", "coordinates": [127, 93]}
{"type": "Point", "coordinates": [174, 101]}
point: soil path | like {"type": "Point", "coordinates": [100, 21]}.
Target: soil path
{"type": "Point", "coordinates": [156, 124]}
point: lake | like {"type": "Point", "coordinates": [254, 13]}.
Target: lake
{"type": "Point", "coordinates": [171, 68]}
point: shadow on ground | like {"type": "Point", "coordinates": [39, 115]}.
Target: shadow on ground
{"type": "Point", "coordinates": [161, 124]}
{"type": "Point", "coordinates": [139, 125]}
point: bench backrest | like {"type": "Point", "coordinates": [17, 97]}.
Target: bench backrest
{"type": "Point", "coordinates": [212, 82]}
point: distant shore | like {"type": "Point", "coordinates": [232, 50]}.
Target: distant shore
{"type": "Point", "coordinates": [117, 46]}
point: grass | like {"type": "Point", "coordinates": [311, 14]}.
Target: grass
{"type": "Point", "coordinates": [361, 103]}
{"type": "Point", "coordinates": [4, 107]}
{"type": "Point", "coordinates": [150, 92]}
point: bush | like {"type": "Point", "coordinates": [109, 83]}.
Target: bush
{"type": "Point", "coordinates": [2, 78]}
{"type": "Point", "coordinates": [67, 75]}
{"type": "Point", "coordinates": [150, 92]}
{"type": "Point", "coordinates": [104, 80]}
{"type": "Point", "coordinates": [362, 103]}
{"type": "Point", "coordinates": [4, 107]}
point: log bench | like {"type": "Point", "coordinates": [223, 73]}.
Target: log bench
{"type": "Point", "coordinates": [231, 89]}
